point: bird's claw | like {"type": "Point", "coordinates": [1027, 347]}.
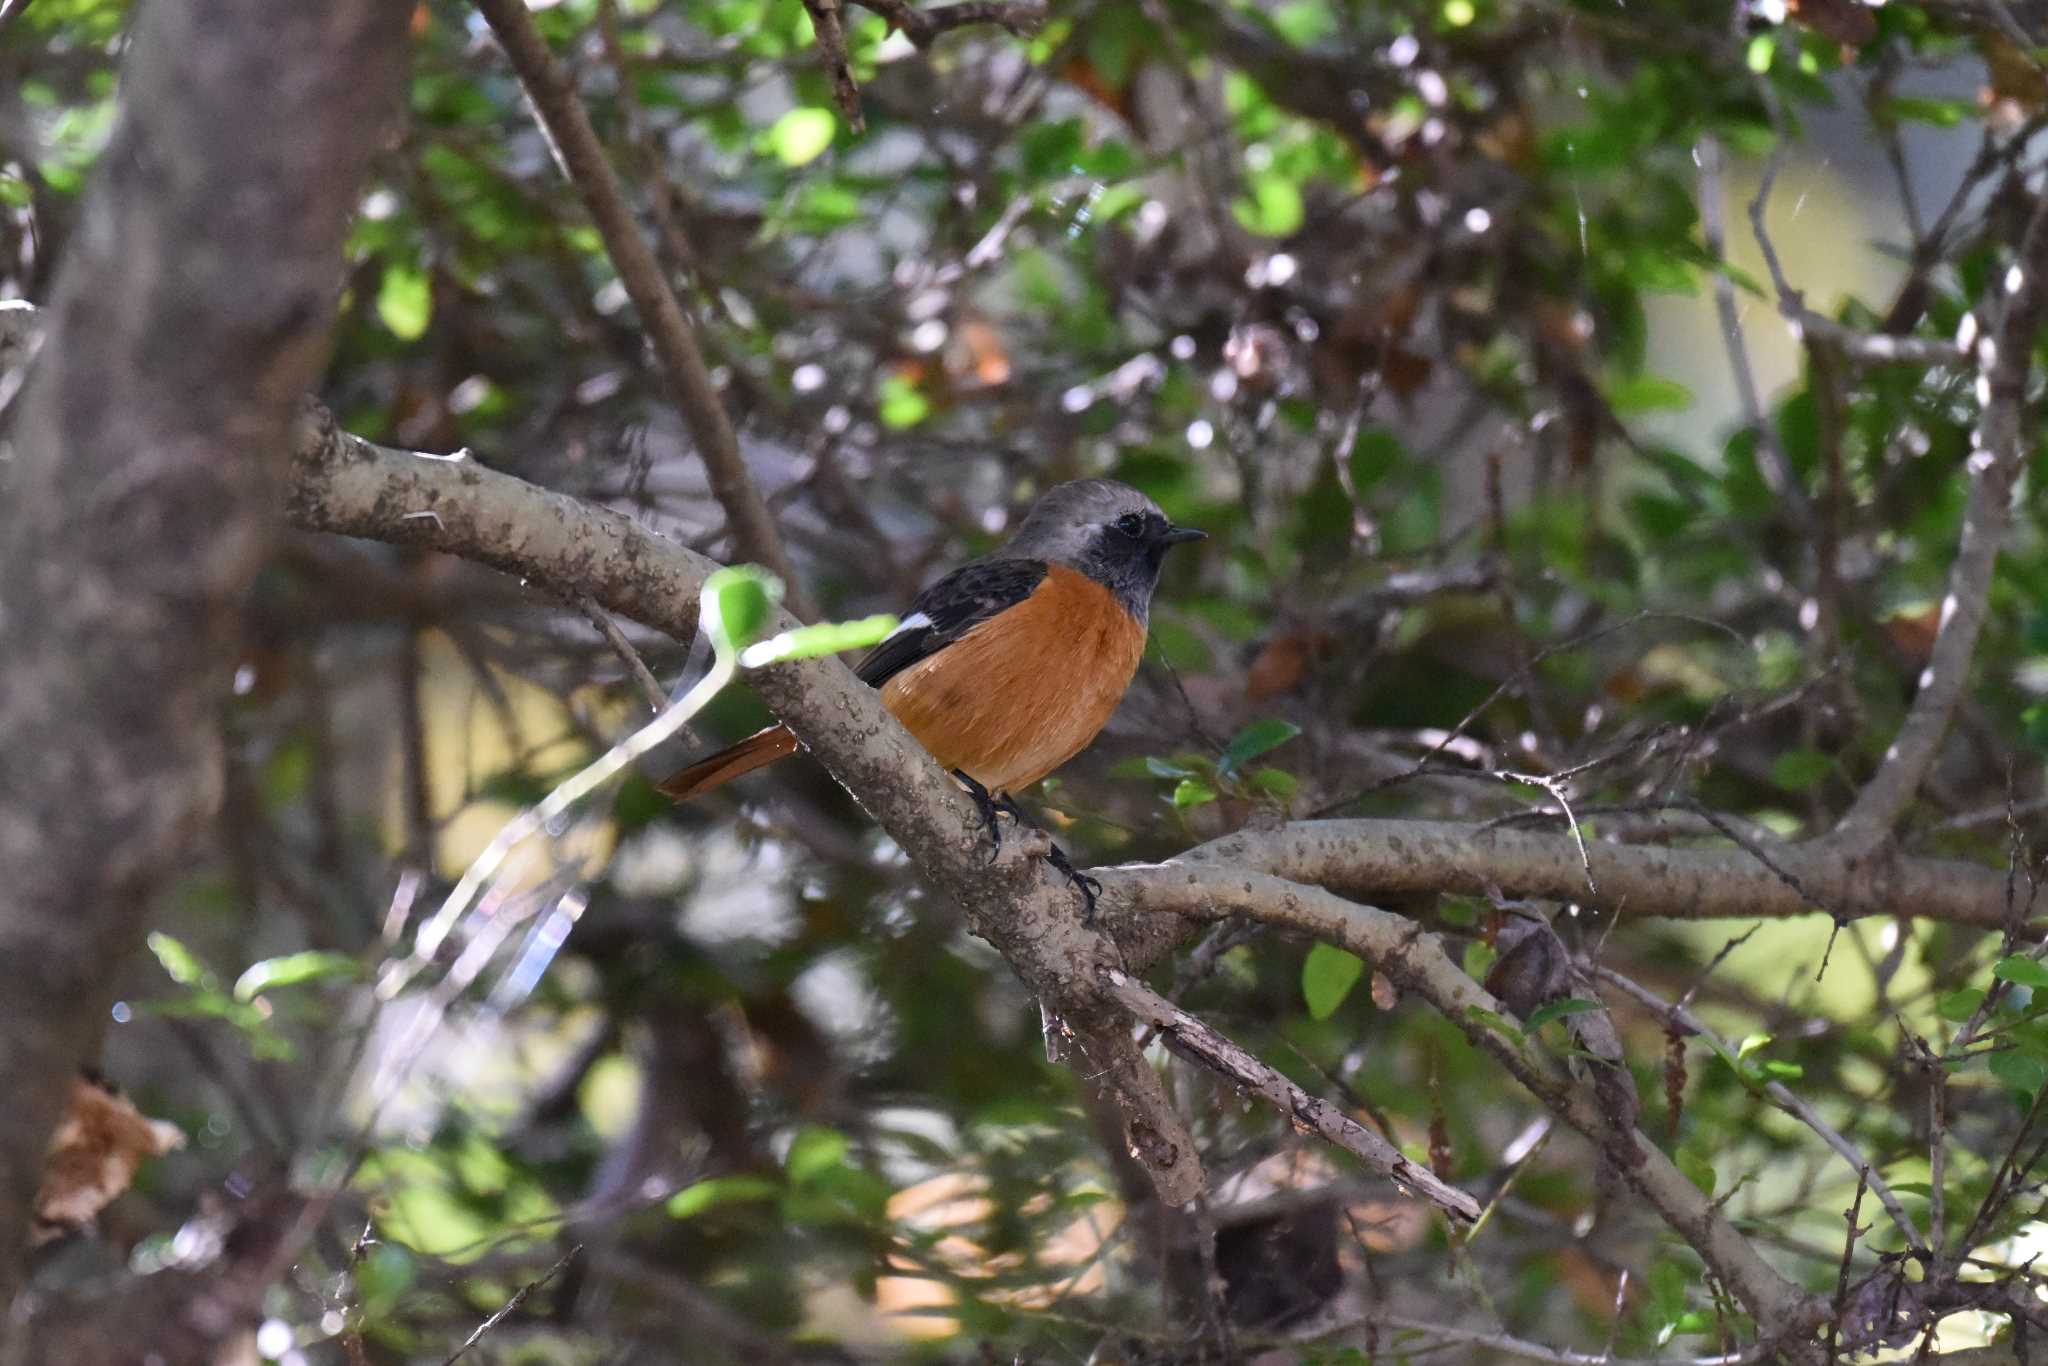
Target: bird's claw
{"type": "Point", "coordinates": [1088, 887]}
{"type": "Point", "coordinates": [992, 807]}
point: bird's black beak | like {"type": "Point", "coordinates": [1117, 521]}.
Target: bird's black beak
{"type": "Point", "coordinates": [1181, 535]}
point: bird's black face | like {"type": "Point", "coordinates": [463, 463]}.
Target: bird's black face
{"type": "Point", "coordinates": [1127, 552]}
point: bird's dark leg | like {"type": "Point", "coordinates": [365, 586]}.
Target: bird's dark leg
{"type": "Point", "coordinates": [989, 807]}
{"type": "Point", "coordinates": [1087, 886]}
{"type": "Point", "coordinates": [993, 805]}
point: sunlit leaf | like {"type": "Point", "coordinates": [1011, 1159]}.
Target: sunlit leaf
{"type": "Point", "coordinates": [1327, 976]}
{"type": "Point", "coordinates": [293, 969]}
{"type": "Point", "coordinates": [802, 134]}
{"type": "Point", "coordinates": [405, 301]}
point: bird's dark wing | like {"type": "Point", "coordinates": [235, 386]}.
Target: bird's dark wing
{"type": "Point", "coordinates": [948, 610]}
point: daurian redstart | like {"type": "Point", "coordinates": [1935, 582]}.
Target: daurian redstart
{"type": "Point", "coordinates": [1008, 666]}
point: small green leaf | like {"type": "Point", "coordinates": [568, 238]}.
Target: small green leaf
{"type": "Point", "coordinates": [181, 963]}
{"type": "Point", "coordinates": [826, 638]}
{"type": "Point", "coordinates": [1275, 782]}
{"type": "Point", "coordinates": [1697, 1168]}
{"type": "Point", "coordinates": [2024, 971]}
{"type": "Point", "coordinates": [1958, 1006]}
{"type": "Point", "coordinates": [1327, 976]}
{"type": "Point", "coordinates": [802, 134]}
{"type": "Point", "coordinates": [1751, 1045]}
{"type": "Point", "coordinates": [1496, 1022]}
{"type": "Point", "coordinates": [1648, 394]}
{"type": "Point", "coordinates": [1192, 792]}
{"type": "Point", "coordinates": [1258, 738]}
{"type": "Point", "coordinates": [291, 970]}
{"type": "Point", "coordinates": [1557, 1010]}
{"type": "Point", "coordinates": [815, 1151]}
{"type": "Point", "coordinates": [1762, 49]}
{"type": "Point", "coordinates": [720, 1190]}
{"type": "Point", "coordinates": [405, 302]}
{"type": "Point", "coordinates": [1799, 769]}
{"type": "Point", "coordinates": [1919, 109]}
{"type": "Point", "coordinates": [1274, 207]}
{"type": "Point", "coordinates": [900, 404]}
{"type": "Point", "coordinates": [1166, 768]}
{"type": "Point", "coordinates": [1783, 1071]}
{"type": "Point", "coordinates": [736, 603]}
{"type": "Point", "coordinates": [2019, 1071]}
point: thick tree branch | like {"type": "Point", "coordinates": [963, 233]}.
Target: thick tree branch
{"type": "Point", "coordinates": [1382, 858]}
{"type": "Point", "coordinates": [142, 492]}
{"type": "Point", "coordinates": [2005, 358]}
{"type": "Point", "coordinates": [670, 332]}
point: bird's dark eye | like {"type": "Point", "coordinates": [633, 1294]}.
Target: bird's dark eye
{"type": "Point", "coordinates": [1131, 524]}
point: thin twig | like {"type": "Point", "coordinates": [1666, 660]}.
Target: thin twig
{"type": "Point", "coordinates": [1777, 466]}
{"type": "Point", "coordinates": [636, 667]}
{"type": "Point", "coordinates": [1020, 17]}
{"type": "Point", "coordinates": [1195, 1040]}
{"type": "Point", "coordinates": [511, 1306]}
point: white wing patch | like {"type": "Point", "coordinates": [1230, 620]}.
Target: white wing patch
{"type": "Point", "coordinates": [916, 621]}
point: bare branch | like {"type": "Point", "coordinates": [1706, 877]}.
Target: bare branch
{"type": "Point", "coordinates": [922, 27]}
{"type": "Point", "coordinates": [1381, 858]}
{"type": "Point", "coordinates": [643, 677]}
{"type": "Point", "coordinates": [1195, 1040]}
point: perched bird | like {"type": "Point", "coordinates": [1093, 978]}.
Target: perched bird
{"type": "Point", "coordinates": [1008, 666]}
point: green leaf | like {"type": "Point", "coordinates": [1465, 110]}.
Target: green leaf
{"type": "Point", "coordinates": [1796, 770]}
{"type": "Point", "coordinates": [825, 638]}
{"type": "Point", "coordinates": [181, 963]}
{"type": "Point", "coordinates": [1697, 1168]}
{"type": "Point", "coordinates": [1557, 1010]}
{"type": "Point", "coordinates": [291, 970]}
{"type": "Point", "coordinates": [1919, 109]}
{"type": "Point", "coordinates": [815, 1151]}
{"type": "Point", "coordinates": [1751, 1045]}
{"type": "Point", "coordinates": [1192, 792]}
{"type": "Point", "coordinates": [405, 301]}
{"type": "Point", "coordinates": [1648, 394]}
{"type": "Point", "coordinates": [721, 1190]}
{"type": "Point", "coordinates": [901, 404]}
{"type": "Point", "coordinates": [802, 134]}
{"type": "Point", "coordinates": [2019, 1071]}
{"type": "Point", "coordinates": [1327, 976]}
{"type": "Point", "coordinates": [1958, 1006]}
{"type": "Point", "coordinates": [2018, 968]}
{"type": "Point", "coordinates": [736, 604]}
{"type": "Point", "coordinates": [1166, 768]}
{"type": "Point", "coordinates": [1274, 207]}
{"type": "Point", "coordinates": [1258, 738]}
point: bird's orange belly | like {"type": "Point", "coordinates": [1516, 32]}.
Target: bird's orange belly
{"type": "Point", "coordinates": [1025, 691]}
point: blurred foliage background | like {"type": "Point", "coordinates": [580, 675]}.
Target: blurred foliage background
{"type": "Point", "coordinates": [1449, 322]}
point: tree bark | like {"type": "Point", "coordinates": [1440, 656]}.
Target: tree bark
{"type": "Point", "coordinates": [144, 483]}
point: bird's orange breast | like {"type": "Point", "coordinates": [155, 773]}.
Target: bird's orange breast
{"type": "Point", "coordinates": [1026, 690]}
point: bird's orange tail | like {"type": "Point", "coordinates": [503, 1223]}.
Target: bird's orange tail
{"type": "Point", "coordinates": [756, 751]}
